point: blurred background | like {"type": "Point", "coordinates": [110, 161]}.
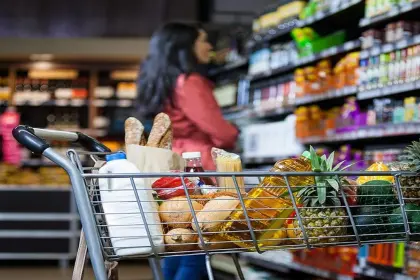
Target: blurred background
{"type": "Point", "coordinates": [336, 74]}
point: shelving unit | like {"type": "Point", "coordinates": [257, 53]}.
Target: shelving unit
{"type": "Point", "coordinates": [41, 224]}
{"type": "Point", "coordinates": [389, 135]}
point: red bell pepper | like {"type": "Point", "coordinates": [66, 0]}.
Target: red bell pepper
{"type": "Point", "coordinates": [168, 187]}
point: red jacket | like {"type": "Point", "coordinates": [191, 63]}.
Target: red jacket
{"type": "Point", "coordinates": [197, 121]}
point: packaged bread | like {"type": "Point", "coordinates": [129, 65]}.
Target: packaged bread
{"type": "Point", "coordinates": [161, 133]}
{"type": "Point", "coordinates": [134, 131]}
{"type": "Point", "coordinates": [228, 162]}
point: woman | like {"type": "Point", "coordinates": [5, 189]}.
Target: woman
{"type": "Point", "coordinates": [169, 81]}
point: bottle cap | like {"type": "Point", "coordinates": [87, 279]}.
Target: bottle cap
{"type": "Point", "coordinates": [189, 155]}
{"type": "Point", "coordinates": [115, 156]}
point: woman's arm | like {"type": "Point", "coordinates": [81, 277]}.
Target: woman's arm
{"type": "Point", "coordinates": [199, 105]}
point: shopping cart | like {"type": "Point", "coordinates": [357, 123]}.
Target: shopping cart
{"type": "Point", "coordinates": [257, 222]}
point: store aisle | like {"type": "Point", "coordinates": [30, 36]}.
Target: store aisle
{"type": "Point", "coordinates": [127, 272]}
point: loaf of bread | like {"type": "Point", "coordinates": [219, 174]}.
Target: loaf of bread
{"type": "Point", "coordinates": [161, 134]}
{"type": "Point", "coordinates": [134, 130]}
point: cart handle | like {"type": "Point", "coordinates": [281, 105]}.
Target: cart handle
{"type": "Point", "coordinates": [33, 139]}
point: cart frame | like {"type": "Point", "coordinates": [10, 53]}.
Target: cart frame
{"type": "Point", "coordinates": [34, 140]}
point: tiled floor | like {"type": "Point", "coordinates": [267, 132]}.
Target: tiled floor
{"type": "Point", "coordinates": [126, 272]}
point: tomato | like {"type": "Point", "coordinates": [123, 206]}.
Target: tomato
{"type": "Point", "coordinates": [168, 187]}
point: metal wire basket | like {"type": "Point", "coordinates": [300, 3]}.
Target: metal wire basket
{"type": "Point", "coordinates": [252, 226]}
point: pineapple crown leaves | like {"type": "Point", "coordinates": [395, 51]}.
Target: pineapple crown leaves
{"type": "Point", "coordinates": [325, 193]}
{"type": "Point", "coordinates": [411, 156]}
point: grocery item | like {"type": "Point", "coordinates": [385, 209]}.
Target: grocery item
{"type": "Point", "coordinates": [410, 185]}
{"type": "Point", "coordinates": [413, 217]}
{"type": "Point", "coordinates": [169, 187]}
{"type": "Point", "coordinates": [228, 162]}
{"type": "Point", "coordinates": [127, 229]}
{"type": "Point", "coordinates": [193, 164]}
{"type": "Point", "coordinates": [323, 218]}
{"type": "Point", "coordinates": [176, 212]}
{"type": "Point", "coordinates": [375, 192]}
{"type": "Point", "coordinates": [265, 205]}
{"type": "Point", "coordinates": [372, 223]}
{"type": "Point", "coordinates": [181, 239]}
{"type": "Point", "coordinates": [161, 133]}
{"type": "Point", "coordinates": [10, 147]}
{"type": "Point", "coordinates": [377, 166]}
{"type": "Point", "coordinates": [214, 213]}
{"type": "Point", "coordinates": [134, 132]}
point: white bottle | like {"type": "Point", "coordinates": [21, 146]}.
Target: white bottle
{"type": "Point", "coordinates": [124, 221]}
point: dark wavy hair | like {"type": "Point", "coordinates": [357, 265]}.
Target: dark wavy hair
{"type": "Point", "coordinates": [171, 54]}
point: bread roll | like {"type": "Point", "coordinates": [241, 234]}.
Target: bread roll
{"type": "Point", "coordinates": [133, 131]}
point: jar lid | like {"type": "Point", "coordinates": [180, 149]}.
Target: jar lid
{"type": "Point", "coordinates": [189, 155]}
{"type": "Point", "coordinates": [115, 156]}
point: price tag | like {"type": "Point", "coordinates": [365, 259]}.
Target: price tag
{"type": "Point", "coordinates": [99, 103]}
{"type": "Point", "coordinates": [387, 48]}
{"type": "Point", "coordinates": [333, 50]}
{"type": "Point", "coordinates": [407, 7]}
{"type": "Point", "coordinates": [364, 54]}
{"type": "Point", "coordinates": [334, 10]}
{"type": "Point", "coordinates": [345, 5]}
{"type": "Point", "coordinates": [364, 21]}
{"type": "Point", "coordinates": [393, 12]}
{"type": "Point", "coordinates": [319, 15]}
{"type": "Point", "coordinates": [77, 102]}
{"type": "Point", "coordinates": [124, 103]}
{"type": "Point", "coordinates": [402, 44]}
{"type": "Point", "coordinates": [375, 51]}
{"type": "Point", "coordinates": [386, 90]}
{"type": "Point", "coordinates": [416, 39]}
{"type": "Point", "coordinates": [62, 102]}
{"type": "Point", "coordinates": [349, 45]}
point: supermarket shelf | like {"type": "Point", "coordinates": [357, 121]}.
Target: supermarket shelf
{"type": "Point", "coordinates": [396, 11]}
{"type": "Point", "coordinates": [273, 33]}
{"type": "Point", "coordinates": [228, 67]}
{"type": "Point", "coordinates": [389, 90]}
{"type": "Point", "coordinates": [113, 103]}
{"type": "Point", "coordinates": [26, 188]}
{"type": "Point", "coordinates": [282, 265]}
{"type": "Point", "coordinates": [38, 217]}
{"type": "Point", "coordinates": [58, 103]}
{"type": "Point", "coordinates": [369, 132]}
{"type": "Point", "coordinates": [36, 256]}
{"type": "Point", "coordinates": [337, 93]}
{"type": "Point", "coordinates": [373, 272]}
{"type": "Point", "coordinates": [324, 14]}
{"type": "Point", "coordinates": [346, 47]}
{"type": "Point", "coordinates": [390, 47]}
{"type": "Point", "coordinates": [285, 28]}
{"type": "Point", "coordinates": [252, 113]}
{"type": "Point", "coordinates": [38, 234]}
{"type": "Point", "coordinates": [37, 162]}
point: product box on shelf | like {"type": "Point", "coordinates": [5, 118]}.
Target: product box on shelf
{"type": "Point", "coordinates": [271, 140]}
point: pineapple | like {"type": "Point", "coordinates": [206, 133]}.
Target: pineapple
{"type": "Point", "coordinates": [410, 185]}
{"type": "Point", "coordinates": [323, 216]}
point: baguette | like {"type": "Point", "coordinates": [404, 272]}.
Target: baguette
{"type": "Point", "coordinates": [133, 131]}
{"type": "Point", "coordinates": [166, 142]}
{"type": "Point", "coordinates": [143, 140]}
{"type": "Point", "coordinates": [161, 127]}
